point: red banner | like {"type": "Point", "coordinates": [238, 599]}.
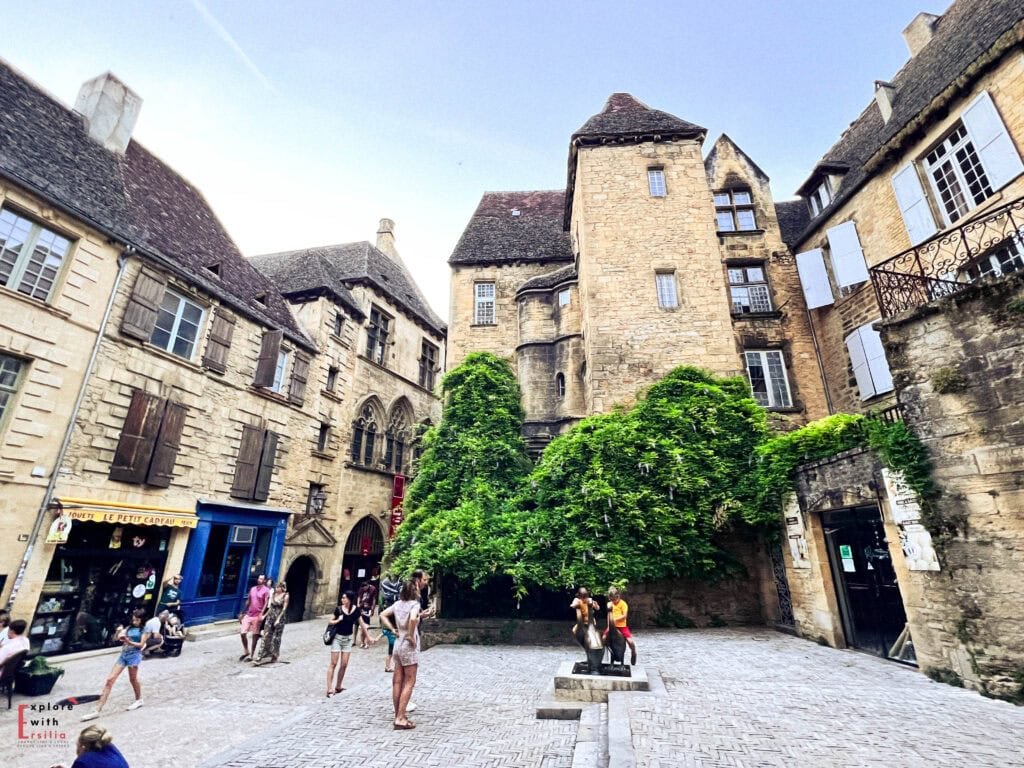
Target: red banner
{"type": "Point", "coordinates": [397, 514]}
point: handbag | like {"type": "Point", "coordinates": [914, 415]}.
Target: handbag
{"type": "Point", "coordinates": [329, 633]}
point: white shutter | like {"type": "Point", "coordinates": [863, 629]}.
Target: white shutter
{"type": "Point", "coordinates": [859, 359]}
{"type": "Point", "coordinates": [917, 216]}
{"type": "Point", "coordinates": [993, 144]}
{"type": "Point", "coordinates": [878, 365]}
{"type": "Point", "coordinates": [814, 279]}
{"type": "Point", "coordinates": [847, 256]}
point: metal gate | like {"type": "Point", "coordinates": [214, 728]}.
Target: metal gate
{"type": "Point", "coordinates": [781, 586]}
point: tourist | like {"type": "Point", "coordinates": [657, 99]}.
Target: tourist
{"type": "Point", "coordinates": [390, 587]}
{"type": "Point", "coordinates": [251, 614]}
{"type": "Point", "coordinates": [273, 626]}
{"type": "Point", "coordinates": [346, 617]}
{"type": "Point", "coordinates": [403, 619]}
{"type": "Point", "coordinates": [5, 622]}
{"type": "Point", "coordinates": [130, 657]}
{"type": "Point", "coordinates": [618, 613]}
{"type": "Point", "coordinates": [95, 750]}
{"type": "Point", "coordinates": [427, 607]}
{"type": "Point", "coordinates": [366, 599]}
{"type": "Point", "coordinates": [170, 598]}
{"type": "Point", "coordinates": [153, 632]}
{"type": "Point", "coordinates": [15, 642]}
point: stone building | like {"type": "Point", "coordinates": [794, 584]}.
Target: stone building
{"type": "Point", "coordinates": [539, 277]}
{"type": "Point", "coordinates": [910, 264]}
{"type": "Point", "coordinates": [382, 351]}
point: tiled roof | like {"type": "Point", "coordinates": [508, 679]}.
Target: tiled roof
{"type": "Point", "coordinates": [515, 226]}
{"type": "Point", "coordinates": [624, 116]}
{"type": "Point", "coordinates": [331, 267]}
{"type": "Point", "coordinates": [967, 32]}
{"type": "Point", "coordinates": [133, 197]}
{"type": "Point", "coordinates": [549, 279]}
{"type": "Point", "coordinates": [793, 219]}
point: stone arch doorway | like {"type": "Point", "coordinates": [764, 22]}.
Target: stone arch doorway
{"type": "Point", "coordinates": [299, 578]}
{"type": "Point", "coordinates": [364, 549]}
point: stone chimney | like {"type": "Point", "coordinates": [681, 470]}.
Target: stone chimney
{"type": "Point", "coordinates": [110, 109]}
{"type": "Point", "coordinates": [885, 94]}
{"type": "Point", "coordinates": [919, 32]}
{"type": "Point", "coordinates": [386, 240]}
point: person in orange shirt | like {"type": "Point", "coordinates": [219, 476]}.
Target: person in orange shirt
{"type": "Point", "coordinates": [618, 612]}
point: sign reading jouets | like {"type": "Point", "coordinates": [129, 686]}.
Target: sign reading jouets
{"type": "Point", "coordinates": [397, 514]}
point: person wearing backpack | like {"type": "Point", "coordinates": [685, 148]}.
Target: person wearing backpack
{"type": "Point", "coordinates": [390, 587]}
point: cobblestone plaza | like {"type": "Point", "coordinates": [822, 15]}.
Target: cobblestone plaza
{"type": "Point", "coordinates": [729, 697]}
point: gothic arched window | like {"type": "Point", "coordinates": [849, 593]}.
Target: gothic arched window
{"type": "Point", "coordinates": [364, 434]}
{"type": "Point", "coordinates": [560, 384]}
{"type": "Point", "coordinates": [394, 446]}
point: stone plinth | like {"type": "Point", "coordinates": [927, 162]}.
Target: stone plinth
{"type": "Point", "coordinates": [595, 688]}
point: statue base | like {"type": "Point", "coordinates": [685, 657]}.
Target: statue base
{"type": "Point", "coordinates": [571, 685]}
{"type": "Point", "coordinates": [614, 670]}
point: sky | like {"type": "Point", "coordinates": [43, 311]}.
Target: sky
{"type": "Point", "coordinates": [305, 123]}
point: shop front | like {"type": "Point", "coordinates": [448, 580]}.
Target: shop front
{"type": "Point", "coordinates": [109, 560]}
{"type": "Point", "coordinates": [231, 546]}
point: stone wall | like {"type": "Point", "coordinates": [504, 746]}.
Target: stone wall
{"type": "Point", "coordinates": [959, 366]}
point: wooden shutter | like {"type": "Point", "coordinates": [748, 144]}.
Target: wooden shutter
{"type": "Point", "coordinates": [140, 314]}
{"type": "Point", "coordinates": [217, 345]}
{"type": "Point", "coordinates": [917, 216]}
{"type": "Point", "coordinates": [138, 438]}
{"type": "Point", "coordinates": [161, 468]}
{"type": "Point", "coordinates": [994, 146]}
{"type": "Point", "coordinates": [267, 364]}
{"type": "Point", "coordinates": [878, 365]}
{"type": "Point", "coordinates": [814, 279]}
{"type": "Point", "coordinates": [266, 469]}
{"type": "Point", "coordinates": [300, 373]}
{"type": "Point", "coordinates": [847, 256]}
{"type": "Point", "coordinates": [859, 361]}
{"type": "Point", "coordinates": [247, 463]}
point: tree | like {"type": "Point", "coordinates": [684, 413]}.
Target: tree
{"type": "Point", "coordinates": [457, 519]}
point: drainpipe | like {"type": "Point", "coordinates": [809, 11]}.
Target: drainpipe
{"type": "Point", "coordinates": [122, 263]}
{"type": "Point", "coordinates": [821, 365]}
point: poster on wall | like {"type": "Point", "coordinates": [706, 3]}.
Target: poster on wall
{"type": "Point", "coordinates": [60, 528]}
{"type": "Point", "coordinates": [905, 509]}
{"type": "Point", "coordinates": [795, 534]}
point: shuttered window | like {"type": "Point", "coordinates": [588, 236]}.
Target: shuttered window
{"type": "Point", "coordinates": [254, 467]}
{"type": "Point", "coordinates": [222, 328]}
{"type": "Point", "coordinates": [150, 440]}
{"type": "Point", "coordinates": [31, 256]}
{"type": "Point", "coordinates": [177, 326]}
{"type": "Point", "coordinates": [143, 305]}
{"type": "Point", "coordinates": [848, 263]}
{"type": "Point", "coordinates": [810, 265]}
{"type": "Point", "coordinates": [868, 361]}
{"type": "Point", "coordinates": [300, 375]}
{"type": "Point", "coordinates": [267, 363]}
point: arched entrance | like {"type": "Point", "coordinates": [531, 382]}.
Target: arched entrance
{"type": "Point", "coordinates": [363, 552]}
{"type": "Point", "coordinates": [299, 579]}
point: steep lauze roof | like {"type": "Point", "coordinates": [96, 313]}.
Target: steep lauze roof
{"type": "Point", "coordinates": [793, 219]}
{"type": "Point", "coordinates": [549, 279]}
{"type": "Point", "coordinates": [624, 116]}
{"type": "Point", "coordinates": [497, 235]}
{"type": "Point", "coordinates": [134, 197]}
{"type": "Point", "coordinates": [332, 267]}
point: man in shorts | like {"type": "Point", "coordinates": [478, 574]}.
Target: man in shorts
{"type": "Point", "coordinates": [251, 615]}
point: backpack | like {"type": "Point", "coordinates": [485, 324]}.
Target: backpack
{"type": "Point", "coordinates": [389, 591]}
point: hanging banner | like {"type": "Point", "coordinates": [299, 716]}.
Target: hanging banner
{"type": "Point", "coordinates": [60, 528]}
{"type": "Point", "coordinates": [397, 497]}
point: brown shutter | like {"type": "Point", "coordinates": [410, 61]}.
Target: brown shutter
{"type": "Point", "coordinates": [140, 315]}
{"type": "Point", "coordinates": [247, 464]}
{"type": "Point", "coordinates": [300, 373]}
{"type": "Point", "coordinates": [138, 438]}
{"type": "Point", "coordinates": [266, 466]}
{"type": "Point", "coordinates": [267, 364]}
{"type": "Point", "coordinates": [161, 468]}
{"type": "Point", "coordinates": [216, 356]}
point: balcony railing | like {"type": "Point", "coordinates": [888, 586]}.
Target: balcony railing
{"type": "Point", "coordinates": [989, 245]}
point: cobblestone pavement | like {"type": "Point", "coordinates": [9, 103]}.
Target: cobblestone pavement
{"type": "Point", "coordinates": [759, 698]}
{"type": "Point", "coordinates": [732, 698]}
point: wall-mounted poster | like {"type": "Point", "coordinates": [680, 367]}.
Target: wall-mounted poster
{"type": "Point", "coordinates": [905, 509]}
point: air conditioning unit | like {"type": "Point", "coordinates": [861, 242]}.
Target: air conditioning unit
{"type": "Point", "coordinates": [243, 534]}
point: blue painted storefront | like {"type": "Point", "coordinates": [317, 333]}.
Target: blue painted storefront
{"type": "Point", "coordinates": [229, 548]}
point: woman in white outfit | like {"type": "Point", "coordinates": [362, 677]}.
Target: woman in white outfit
{"type": "Point", "coordinates": [403, 618]}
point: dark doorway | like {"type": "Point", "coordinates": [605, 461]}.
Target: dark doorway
{"type": "Point", "coordinates": [364, 549]}
{"type": "Point", "coordinates": [300, 575]}
{"type": "Point", "coordinates": [869, 597]}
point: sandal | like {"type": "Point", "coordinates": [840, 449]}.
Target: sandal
{"type": "Point", "coordinates": [338, 690]}
{"type": "Point", "coordinates": [329, 694]}
{"type": "Point", "coordinates": [407, 726]}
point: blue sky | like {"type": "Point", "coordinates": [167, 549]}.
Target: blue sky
{"type": "Point", "coordinates": [304, 123]}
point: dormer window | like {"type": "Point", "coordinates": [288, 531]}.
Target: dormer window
{"type": "Point", "coordinates": [213, 269]}
{"type": "Point", "coordinates": [261, 298]}
{"type": "Point", "coordinates": [516, 212]}
{"type": "Point", "coordinates": [819, 199]}
{"type": "Point", "coordinates": [734, 211]}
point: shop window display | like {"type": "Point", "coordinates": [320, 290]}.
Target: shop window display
{"type": "Point", "coordinates": [95, 581]}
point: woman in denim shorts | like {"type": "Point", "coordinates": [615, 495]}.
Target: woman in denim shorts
{"type": "Point", "coordinates": [132, 640]}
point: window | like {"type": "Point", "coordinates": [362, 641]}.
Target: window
{"type": "Point", "coordinates": [394, 443]}
{"type": "Point", "coordinates": [364, 433]}
{"type": "Point", "coordinates": [428, 365]}
{"type": "Point", "coordinates": [323, 437]}
{"type": "Point", "coordinates": [332, 378]}
{"type": "Point", "coordinates": [30, 256]}
{"type": "Point", "coordinates": [564, 297]}
{"type": "Point", "coordinates": [749, 290]}
{"type": "Point", "coordinates": [339, 324]}
{"type": "Point", "coordinates": [377, 336]}
{"type": "Point", "coordinates": [734, 210]}
{"type": "Point", "coordinates": [665, 282]}
{"type": "Point", "coordinates": [656, 181]}
{"type": "Point", "coordinates": [177, 325]}
{"type": "Point", "coordinates": [484, 304]}
{"type": "Point", "coordinates": [819, 199]}
{"type": "Point", "coordinates": [560, 384]}
{"type": "Point", "coordinates": [10, 378]}
{"type": "Point", "coordinates": [1005, 258]}
{"type": "Point", "coordinates": [254, 467]}
{"type": "Point", "coordinates": [956, 174]}
{"type": "Point", "coordinates": [150, 438]}
{"type": "Point", "coordinates": [279, 369]}
{"type": "Point", "coordinates": [767, 373]}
